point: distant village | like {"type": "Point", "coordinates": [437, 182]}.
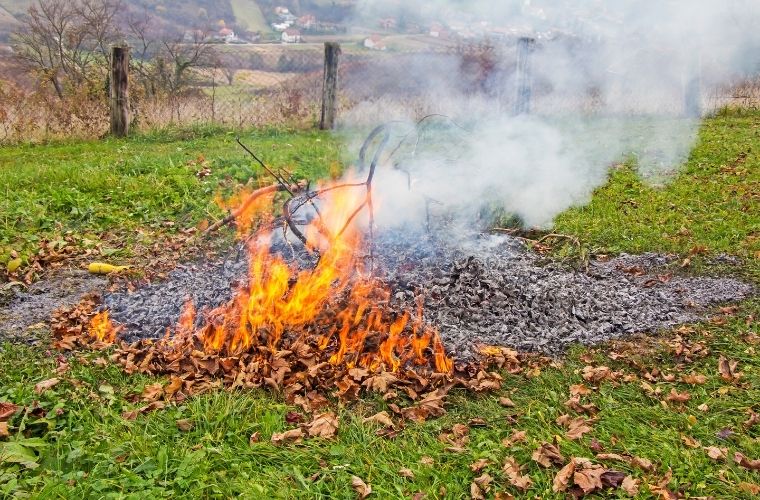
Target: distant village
{"type": "Point", "coordinates": [289, 28]}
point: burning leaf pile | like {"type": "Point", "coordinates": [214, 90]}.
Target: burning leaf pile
{"type": "Point", "coordinates": [328, 327]}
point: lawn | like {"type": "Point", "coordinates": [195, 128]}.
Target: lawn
{"type": "Point", "coordinates": [72, 440]}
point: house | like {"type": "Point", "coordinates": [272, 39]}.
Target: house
{"type": "Point", "coordinates": [280, 26]}
{"type": "Point", "coordinates": [227, 35]}
{"type": "Point", "coordinates": [438, 31]}
{"type": "Point", "coordinates": [306, 22]}
{"type": "Point", "coordinates": [374, 42]}
{"type": "Point", "coordinates": [281, 11]}
{"type": "Point", "coordinates": [291, 35]}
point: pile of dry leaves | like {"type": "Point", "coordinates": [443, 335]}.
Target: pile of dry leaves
{"type": "Point", "coordinates": [297, 368]}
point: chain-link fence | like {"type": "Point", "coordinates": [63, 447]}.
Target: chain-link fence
{"type": "Point", "coordinates": [259, 84]}
{"type": "Point", "coordinates": [279, 84]}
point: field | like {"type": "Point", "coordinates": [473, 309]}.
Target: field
{"type": "Point", "coordinates": [72, 441]}
{"type": "Point", "coordinates": [249, 13]}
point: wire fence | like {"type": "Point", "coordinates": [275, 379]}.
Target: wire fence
{"type": "Point", "coordinates": [282, 85]}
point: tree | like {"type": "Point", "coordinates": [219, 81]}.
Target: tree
{"type": "Point", "coordinates": [65, 41]}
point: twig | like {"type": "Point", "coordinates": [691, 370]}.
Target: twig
{"type": "Point", "coordinates": [248, 201]}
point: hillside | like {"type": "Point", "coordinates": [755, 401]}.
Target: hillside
{"type": "Point", "coordinates": [251, 15]}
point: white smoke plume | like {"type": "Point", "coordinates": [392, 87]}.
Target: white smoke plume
{"type": "Point", "coordinates": [610, 80]}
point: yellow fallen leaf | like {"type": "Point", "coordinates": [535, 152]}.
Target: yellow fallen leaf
{"type": "Point", "coordinates": [103, 268]}
{"type": "Point", "coordinates": [13, 264]}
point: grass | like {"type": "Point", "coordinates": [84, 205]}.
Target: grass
{"type": "Point", "coordinates": [84, 447]}
{"type": "Point", "coordinates": [87, 190]}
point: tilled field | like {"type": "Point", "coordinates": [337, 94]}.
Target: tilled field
{"type": "Point", "coordinates": [485, 290]}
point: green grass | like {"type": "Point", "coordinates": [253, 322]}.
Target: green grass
{"type": "Point", "coordinates": [88, 189]}
{"type": "Point", "coordinates": [91, 451]}
{"type": "Point", "coordinates": [713, 202]}
{"type": "Point", "coordinates": [86, 449]}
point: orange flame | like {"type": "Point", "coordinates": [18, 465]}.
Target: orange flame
{"type": "Point", "coordinates": [102, 329]}
{"type": "Point", "coordinates": [247, 205]}
{"type": "Point", "coordinates": [332, 305]}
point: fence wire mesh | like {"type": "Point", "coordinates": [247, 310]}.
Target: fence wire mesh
{"type": "Point", "coordinates": [281, 84]}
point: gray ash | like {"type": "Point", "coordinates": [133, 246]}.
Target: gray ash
{"type": "Point", "coordinates": [487, 290]}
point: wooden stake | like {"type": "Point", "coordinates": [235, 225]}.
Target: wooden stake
{"type": "Point", "coordinates": [330, 87]}
{"type": "Point", "coordinates": [120, 91]}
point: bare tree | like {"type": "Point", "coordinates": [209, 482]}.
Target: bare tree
{"type": "Point", "coordinates": [229, 64]}
{"type": "Point", "coordinates": [65, 40]}
{"type": "Point", "coordinates": [183, 53]}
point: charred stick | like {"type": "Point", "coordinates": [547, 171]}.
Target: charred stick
{"type": "Point", "coordinates": [279, 178]}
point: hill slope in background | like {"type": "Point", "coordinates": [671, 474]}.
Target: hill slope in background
{"type": "Point", "coordinates": [247, 14]}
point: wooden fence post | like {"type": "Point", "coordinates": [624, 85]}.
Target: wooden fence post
{"type": "Point", "coordinates": [524, 76]}
{"type": "Point", "coordinates": [330, 86]}
{"type": "Point", "coordinates": [119, 91]}
{"type": "Point", "coordinates": [693, 90]}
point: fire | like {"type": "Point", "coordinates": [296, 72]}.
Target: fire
{"type": "Point", "coordinates": [247, 205]}
{"type": "Point", "coordinates": [335, 305]}
{"type": "Point", "coordinates": [102, 329]}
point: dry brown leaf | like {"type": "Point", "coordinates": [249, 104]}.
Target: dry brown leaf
{"type": "Point", "coordinates": [694, 379]}
{"type": "Point", "coordinates": [547, 455]}
{"type": "Point", "coordinates": [562, 479]}
{"type": "Point", "coordinates": [727, 369]}
{"type": "Point", "coordinates": [506, 402]}
{"type": "Point", "coordinates": [576, 428]}
{"type": "Point", "coordinates": [751, 488]}
{"type": "Point", "coordinates": [291, 436]}
{"type": "Point", "coordinates": [407, 473]}
{"type": "Point", "coordinates": [516, 437]}
{"type": "Point", "coordinates": [324, 426]}
{"type": "Point", "coordinates": [484, 481]}
{"type": "Point", "coordinates": [512, 471]}
{"type": "Point", "coordinates": [631, 485]}
{"type": "Point", "coordinates": [381, 418]}
{"type": "Point", "coordinates": [7, 410]}
{"type": "Point", "coordinates": [380, 382]}
{"type": "Point", "coordinates": [362, 489]}
{"type": "Point", "coordinates": [4, 432]}
{"type": "Point", "coordinates": [173, 387]}
{"type": "Point", "coordinates": [642, 463]}
{"type": "Point", "coordinates": [152, 392]}
{"type": "Point", "coordinates": [598, 373]}
{"type": "Point", "coordinates": [427, 461]}
{"type": "Point", "coordinates": [485, 381]}
{"type": "Point", "coordinates": [476, 493]}
{"type": "Point", "coordinates": [661, 488]}
{"type": "Point", "coordinates": [184, 424]}
{"type": "Point", "coordinates": [255, 438]}
{"type": "Point", "coordinates": [589, 478]}
{"type": "Point", "coordinates": [690, 441]}
{"type": "Point", "coordinates": [43, 386]}
{"type": "Point", "coordinates": [745, 462]}
{"type": "Point", "coordinates": [479, 465]}
{"type": "Point", "coordinates": [716, 453]}
{"type": "Point", "coordinates": [678, 397]}
{"type": "Point", "coordinates": [754, 419]}
{"type": "Point", "coordinates": [703, 407]}
{"type": "Point", "coordinates": [579, 390]}
{"type": "Point", "coordinates": [132, 414]}
{"type": "Point", "coordinates": [574, 403]}
{"type": "Point", "coordinates": [503, 495]}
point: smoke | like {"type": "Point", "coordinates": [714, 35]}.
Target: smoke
{"type": "Point", "coordinates": [609, 81]}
